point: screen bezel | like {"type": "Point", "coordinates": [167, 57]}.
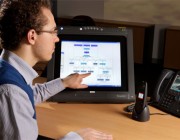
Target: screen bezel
{"type": "Point", "coordinates": [99, 38]}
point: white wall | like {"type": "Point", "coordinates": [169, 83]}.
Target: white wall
{"type": "Point", "coordinates": [143, 11]}
{"type": "Point", "coordinates": [92, 8]}
{"type": "Point", "coordinates": [147, 11]}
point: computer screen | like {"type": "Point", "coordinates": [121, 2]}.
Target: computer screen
{"type": "Point", "coordinates": [106, 53]}
{"type": "Point", "coordinates": [95, 57]}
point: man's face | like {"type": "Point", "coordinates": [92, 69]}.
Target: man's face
{"type": "Point", "coordinates": [45, 42]}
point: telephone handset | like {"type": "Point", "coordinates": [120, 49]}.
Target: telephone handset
{"type": "Point", "coordinates": [162, 84]}
{"type": "Point", "coordinates": [167, 92]}
{"type": "Point", "coordinates": [141, 98]}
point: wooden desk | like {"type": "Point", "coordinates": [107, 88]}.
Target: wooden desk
{"type": "Point", "coordinates": [55, 120]}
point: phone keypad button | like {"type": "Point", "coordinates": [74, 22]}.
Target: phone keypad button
{"type": "Point", "coordinates": [167, 100]}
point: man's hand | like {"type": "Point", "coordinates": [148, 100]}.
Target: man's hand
{"type": "Point", "coordinates": [74, 81]}
{"type": "Point", "coordinates": [92, 134]}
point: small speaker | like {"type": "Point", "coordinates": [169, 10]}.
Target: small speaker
{"type": "Point", "coordinates": [141, 110]}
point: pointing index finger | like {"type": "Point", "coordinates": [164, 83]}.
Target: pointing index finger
{"type": "Point", "coordinates": [85, 75]}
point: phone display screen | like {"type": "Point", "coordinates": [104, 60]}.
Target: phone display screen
{"type": "Point", "coordinates": [176, 84]}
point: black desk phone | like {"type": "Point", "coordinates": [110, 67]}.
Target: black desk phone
{"type": "Point", "coordinates": [166, 95]}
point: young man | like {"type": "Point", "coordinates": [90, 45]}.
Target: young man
{"type": "Point", "coordinates": [28, 35]}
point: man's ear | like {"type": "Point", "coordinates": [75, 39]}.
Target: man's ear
{"type": "Point", "coordinates": [31, 36]}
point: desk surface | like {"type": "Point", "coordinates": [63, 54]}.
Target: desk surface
{"type": "Point", "coordinates": [55, 120]}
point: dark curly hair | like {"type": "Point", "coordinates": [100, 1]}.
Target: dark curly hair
{"type": "Point", "coordinates": [17, 17]}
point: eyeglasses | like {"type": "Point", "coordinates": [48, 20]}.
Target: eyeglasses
{"type": "Point", "coordinates": [54, 32]}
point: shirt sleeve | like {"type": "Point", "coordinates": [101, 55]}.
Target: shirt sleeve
{"type": "Point", "coordinates": [16, 115]}
{"type": "Point", "coordinates": [44, 91]}
{"type": "Point", "coordinates": [71, 136]}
